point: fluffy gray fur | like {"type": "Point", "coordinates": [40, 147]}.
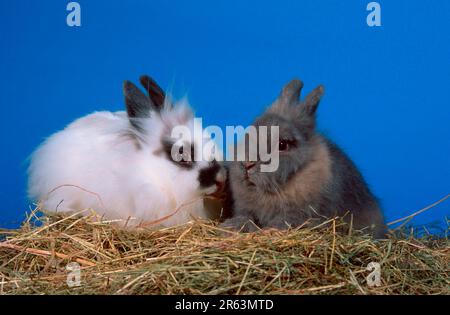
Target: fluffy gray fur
{"type": "Point", "coordinates": [315, 179]}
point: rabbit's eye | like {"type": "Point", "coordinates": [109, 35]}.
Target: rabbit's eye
{"type": "Point", "coordinates": [283, 145]}
{"type": "Point", "coordinates": [179, 154]}
{"type": "Point", "coordinates": [184, 158]}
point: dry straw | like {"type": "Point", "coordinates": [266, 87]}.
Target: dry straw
{"type": "Point", "coordinates": [197, 258]}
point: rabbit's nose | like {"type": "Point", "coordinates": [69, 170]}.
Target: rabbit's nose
{"type": "Point", "coordinates": [249, 165]}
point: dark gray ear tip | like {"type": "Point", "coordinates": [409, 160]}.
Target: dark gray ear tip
{"type": "Point", "coordinates": [321, 89]}
{"type": "Point", "coordinates": [149, 84]}
{"type": "Point", "coordinates": [291, 91]}
{"type": "Point", "coordinates": [128, 86]}
{"type": "Point", "coordinates": [317, 93]}
{"type": "Point", "coordinates": [295, 84]}
{"type": "Point", "coordinates": [298, 82]}
{"type": "Point", "coordinates": [144, 79]}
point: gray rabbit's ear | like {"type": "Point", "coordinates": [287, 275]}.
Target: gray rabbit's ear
{"type": "Point", "coordinates": [156, 94]}
{"type": "Point", "coordinates": [291, 92]}
{"type": "Point", "coordinates": [312, 100]}
{"type": "Point", "coordinates": [288, 97]}
{"type": "Point", "coordinates": [306, 118]}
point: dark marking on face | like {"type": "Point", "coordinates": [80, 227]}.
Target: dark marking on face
{"type": "Point", "coordinates": [183, 159]}
{"type": "Point", "coordinates": [207, 176]}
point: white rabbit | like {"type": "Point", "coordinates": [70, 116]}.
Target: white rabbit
{"type": "Point", "coordinates": [120, 164]}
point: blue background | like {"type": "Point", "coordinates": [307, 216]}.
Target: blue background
{"type": "Point", "coordinates": [386, 103]}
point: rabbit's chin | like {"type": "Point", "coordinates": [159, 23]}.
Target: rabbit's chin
{"type": "Point", "coordinates": [261, 182]}
{"type": "Point", "coordinates": [210, 191]}
{"type": "Point", "coordinates": [216, 191]}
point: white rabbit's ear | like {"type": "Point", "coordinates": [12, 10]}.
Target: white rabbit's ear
{"type": "Point", "coordinates": [156, 94]}
{"type": "Point", "coordinates": [138, 104]}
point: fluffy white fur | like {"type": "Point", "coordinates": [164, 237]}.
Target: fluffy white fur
{"type": "Point", "coordinates": [97, 163]}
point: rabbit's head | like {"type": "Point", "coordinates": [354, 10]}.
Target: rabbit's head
{"type": "Point", "coordinates": [154, 118]}
{"type": "Point", "coordinates": [295, 146]}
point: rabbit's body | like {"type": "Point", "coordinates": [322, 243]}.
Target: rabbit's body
{"type": "Point", "coordinates": [102, 162]}
{"type": "Point", "coordinates": [315, 179]}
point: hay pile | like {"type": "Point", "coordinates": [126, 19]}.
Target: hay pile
{"type": "Point", "coordinates": [197, 259]}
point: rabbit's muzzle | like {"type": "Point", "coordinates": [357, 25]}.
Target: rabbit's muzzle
{"type": "Point", "coordinates": [213, 175]}
{"type": "Point", "coordinates": [248, 169]}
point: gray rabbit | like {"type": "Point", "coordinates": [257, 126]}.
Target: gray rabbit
{"type": "Point", "coordinates": [315, 180]}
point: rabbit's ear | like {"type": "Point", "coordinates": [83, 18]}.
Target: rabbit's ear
{"type": "Point", "coordinates": [312, 100]}
{"type": "Point", "coordinates": [291, 92]}
{"type": "Point", "coordinates": [156, 94]}
{"type": "Point", "coordinates": [305, 116]}
{"type": "Point", "coordinates": [288, 97]}
{"type": "Point", "coordinates": [138, 104]}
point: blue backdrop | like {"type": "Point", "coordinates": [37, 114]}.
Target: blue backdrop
{"type": "Point", "coordinates": [387, 87]}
